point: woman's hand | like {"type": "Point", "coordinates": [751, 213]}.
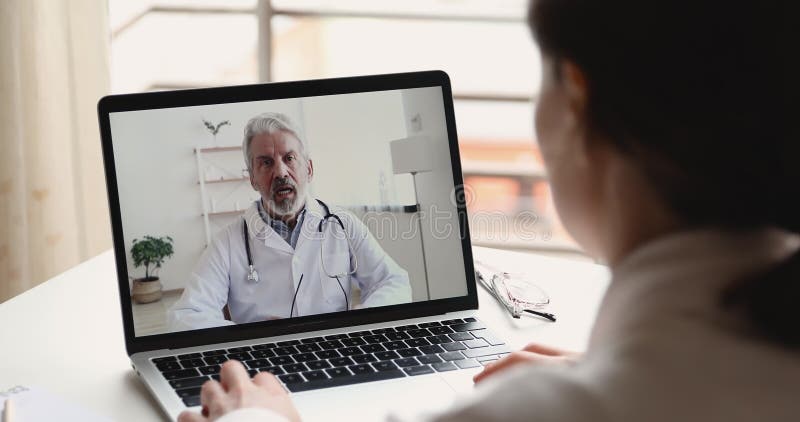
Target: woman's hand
{"type": "Point", "coordinates": [235, 391]}
{"type": "Point", "coordinates": [533, 353]}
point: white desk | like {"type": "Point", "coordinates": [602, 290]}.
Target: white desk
{"type": "Point", "coordinates": [65, 335]}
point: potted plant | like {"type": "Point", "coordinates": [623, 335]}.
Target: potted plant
{"type": "Point", "coordinates": [149, 252]}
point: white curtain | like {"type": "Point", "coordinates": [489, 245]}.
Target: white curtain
{"type": "Point", "coordinates": [53, 208]}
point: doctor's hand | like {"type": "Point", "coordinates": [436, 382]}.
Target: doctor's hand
{"type": "Point", "coordinates": [532, 354]}
{"type": "Point", "coordinates": [235, 390]}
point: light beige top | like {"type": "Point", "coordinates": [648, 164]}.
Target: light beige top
{"type": "Point", "coordinates": [662, 348]}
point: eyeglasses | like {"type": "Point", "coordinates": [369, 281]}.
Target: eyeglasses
{"type": "Point", "coordinates": [515, 291]}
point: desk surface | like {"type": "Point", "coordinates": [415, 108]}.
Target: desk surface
{"type": "Point", "coordinates": [66, 337]}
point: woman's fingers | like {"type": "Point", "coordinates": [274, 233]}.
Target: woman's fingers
{"type": "Point", "coordinates": [232, 375]}
{"type": "Point", "coordinates": [188, 416]}
{"type": "Point", "coordinates": [212, 396]}
{"type": "Point", "coordinates": [533, 353]}
{"type": "Point", "coordinates": [269, 382]}
{"type": "Point", "coordinates": [542, 349]}
{"type": "Point", "coordinates": [235, 391]}
{"type": "Point", "coordinates": [547, 350]}
{"type": "Point", "coordinates": [504, 363]}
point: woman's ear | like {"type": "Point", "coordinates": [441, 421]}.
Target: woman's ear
{"type": "Point", "coordinates": [575, 87]}
{"type": "Point", "coordinates": [575, 90]}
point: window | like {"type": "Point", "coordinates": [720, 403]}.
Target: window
{"type": "Point", "coordinates": [484, 46]}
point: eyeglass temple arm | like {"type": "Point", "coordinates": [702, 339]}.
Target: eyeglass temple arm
{"type": "Point", "coordinates": [545, 315]}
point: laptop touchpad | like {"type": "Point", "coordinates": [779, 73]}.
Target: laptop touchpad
{"type": "Point", "coordinates": [373, 401]}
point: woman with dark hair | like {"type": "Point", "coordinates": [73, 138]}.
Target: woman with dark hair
{"type": "Point", "coordinates": [665, 128]}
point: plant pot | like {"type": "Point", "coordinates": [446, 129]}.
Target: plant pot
{"type": "Point", "coordinates": [146, 290]}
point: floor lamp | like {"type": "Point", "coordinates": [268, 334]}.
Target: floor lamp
{"type": "Point", "coordinates": [413, 156]}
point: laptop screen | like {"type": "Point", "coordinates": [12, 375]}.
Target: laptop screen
{"type": "Point", "coordinates": [252, 212]}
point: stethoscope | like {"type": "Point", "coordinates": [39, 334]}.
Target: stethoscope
{"type": "Point", "coordinates": [252, 274]}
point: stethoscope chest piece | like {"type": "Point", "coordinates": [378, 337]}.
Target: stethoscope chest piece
{"type": "Point", "coordinates": [252, 275]}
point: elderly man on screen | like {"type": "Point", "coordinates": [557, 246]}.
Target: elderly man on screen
{"type": "Point", "coordinates": [291, 255]}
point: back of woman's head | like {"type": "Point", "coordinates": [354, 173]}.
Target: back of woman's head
{"type": "Point", "coordinates": [699, 95]}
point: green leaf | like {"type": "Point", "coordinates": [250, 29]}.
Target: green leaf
{"type": "Point", "coordinates": [151, 251]}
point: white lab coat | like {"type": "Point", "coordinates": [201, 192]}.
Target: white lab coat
{"type": "Point", "coordinates": [220, 276]}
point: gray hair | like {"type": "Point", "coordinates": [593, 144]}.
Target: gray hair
{"type": "Point", "coordinates": [269, 123]}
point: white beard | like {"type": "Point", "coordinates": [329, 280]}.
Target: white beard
{"type": "Point", "coordinates": [289, 206]}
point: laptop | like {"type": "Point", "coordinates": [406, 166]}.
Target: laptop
{"type": "Point", "coordinates": [313, 229]}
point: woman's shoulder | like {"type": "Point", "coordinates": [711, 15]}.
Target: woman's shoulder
{"type": "Point", "coordinates": [674, 369]}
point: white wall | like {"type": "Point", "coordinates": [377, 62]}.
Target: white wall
{"type": "Point", "coordinates": [349, 137]}
{"type": "Point", "coordinates": [389, 228]}
{"type": "Point", "coordinates": [445, 261]}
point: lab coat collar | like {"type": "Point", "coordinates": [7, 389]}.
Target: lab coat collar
{"type": "Point", "coordinates": [314, 209]}
{"type": "Point", "coordinates": [260, 231]}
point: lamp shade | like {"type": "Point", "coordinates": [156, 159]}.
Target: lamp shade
{"type": "Point", "coordinates": [411, 155]}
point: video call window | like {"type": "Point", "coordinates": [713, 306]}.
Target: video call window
{"type": "Point", "coordinates": [284, 208]}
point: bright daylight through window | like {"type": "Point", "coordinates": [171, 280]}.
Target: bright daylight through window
{"type": "Point", "coordinates": [174, 44]}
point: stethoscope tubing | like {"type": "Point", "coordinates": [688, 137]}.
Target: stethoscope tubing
{"type": "Point", "coordinates": [252, 274]}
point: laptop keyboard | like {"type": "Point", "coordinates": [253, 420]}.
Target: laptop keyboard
{"type": "Point", "coordinates": [344, 359]}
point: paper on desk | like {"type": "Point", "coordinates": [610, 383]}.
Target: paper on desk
{"type": "Point", "coordinates": [34, 404]}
